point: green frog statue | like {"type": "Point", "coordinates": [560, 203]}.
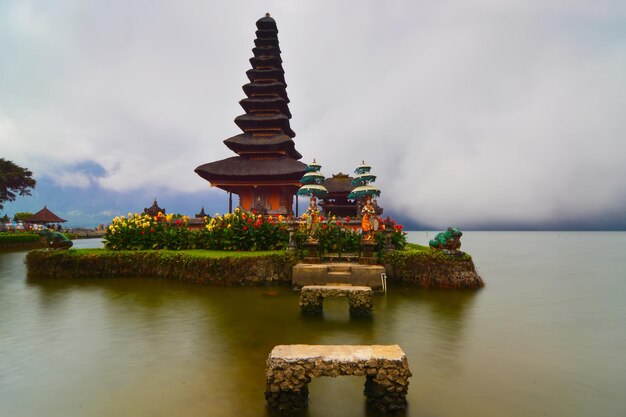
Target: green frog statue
{"type": "Point", "coordinates": [450, 239]}
{"type": "Point", "coordinates": [55, 240]}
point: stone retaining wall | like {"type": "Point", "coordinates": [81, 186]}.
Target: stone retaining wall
{"type": "Point", "coordinates": [431, 270]}
{"type": "Point", "coordinates": [250, 270]}
{"type": "Point", "coordinates": [291, 367]}
{"type": "Point", "coordinates": [434, 269]}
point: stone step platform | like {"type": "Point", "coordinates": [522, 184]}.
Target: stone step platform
{"type": "Point", "coordinates": [360, 298]}
{"type": "Point", "coordinates": [290, 368]}
{"type": "Point", "coordinates": [338, 273]}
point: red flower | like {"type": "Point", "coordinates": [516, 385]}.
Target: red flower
{"type": "Point", "coordinates": [347, 219]}
{"type": "Point", "coordinates": [324, 226]}
{"type": "Point", "coordinates": [250, 221]}
{"type": "Point", "coordinates": [243, 216]}
{"type": "Point", "coordinates": [245, 228]}
{"type": "Point", "coordinates": [152, 230]}
{"type": "Point", "coordinates": [398, 227]}
{"type": "Point", "coordinates": [143, 232]}
{"type": "Point", "coordinates": [178, 222]}
{"type": "Point", "coordinates": [321, 218]}
{"type": "Point", "coordinates": [338, 223]}
{"type": "Point", "coordinates": [258, 223]}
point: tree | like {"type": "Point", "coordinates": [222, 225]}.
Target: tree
{"type": "Point", "coordinates": [14, 181]}
{"type": "Point", "coordinates": [21, 215]}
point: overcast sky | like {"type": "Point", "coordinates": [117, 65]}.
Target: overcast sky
{"type": "Point", "coordinates": [480, 114]}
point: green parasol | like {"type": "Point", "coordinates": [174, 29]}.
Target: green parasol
{"type": "Point", "coordinates": [363, 168]}
{"type": "Point", "coordinates": [363, 191]}
{"type": "Point", "coordinates": [363, 179]}
{"type": "Point", "coordinates": [316, 190]}
{"type": "Point", "coordinates": [312, 178]}
{"type": "Point", "coordinates": [313, 167]}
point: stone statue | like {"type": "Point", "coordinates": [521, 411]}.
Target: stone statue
{"type": "Point", "coordinates": [368, 219]}
{"type": "Point", "coordinates": [312, 213]}
{"type": "Point", "coordinates": [450, 239]}
{"type": "Point", "coordinates": [56, 240]}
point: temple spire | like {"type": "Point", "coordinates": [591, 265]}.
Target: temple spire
{"type": "Point", "coordinates": [266, 172]}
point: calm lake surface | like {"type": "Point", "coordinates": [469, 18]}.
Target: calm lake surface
{"type": "Point", "coordinates": [546, 336]}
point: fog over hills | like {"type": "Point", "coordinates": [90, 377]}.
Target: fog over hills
{"type": "Point", "coordinates": [485, 115]}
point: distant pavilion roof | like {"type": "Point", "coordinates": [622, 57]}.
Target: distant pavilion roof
{"type": "Point", "coordinates": [339, 183]}
{"type": "Point", "coordinates": [44, 216]}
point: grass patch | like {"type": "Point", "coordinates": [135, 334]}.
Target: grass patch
{"type": "Point", "coordinates": [415, 246]}
{"type": "Point", "coordinates": [196, 253]}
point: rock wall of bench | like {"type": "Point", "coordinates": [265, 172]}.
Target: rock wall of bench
{"type": "Point", "coordinates": [386, 382]}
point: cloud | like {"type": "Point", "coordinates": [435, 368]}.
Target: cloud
{"type": "Point", "coordinates": [471, 113]}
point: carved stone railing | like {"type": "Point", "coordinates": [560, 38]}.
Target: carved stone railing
{"type": "Point", "coordinates": [291, 367]}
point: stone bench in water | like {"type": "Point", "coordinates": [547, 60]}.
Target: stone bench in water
{"type": "Point", "coordinates": [360, 299]}
{"type": "Point", "coordinates": [338, 273]}
{"type": "Point", "coordinates": [291, 367]}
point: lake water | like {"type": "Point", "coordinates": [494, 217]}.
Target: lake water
{"type": "Point", "coordinates": [546, 336]}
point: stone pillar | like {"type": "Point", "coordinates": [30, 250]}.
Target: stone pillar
{"type": "Point", "coordinates": [287, 390]}
{"type": "Point", "coordinates": [291, 246]}
{"type": "Point", "coordinates": [386, 388]}
{"type": "Point", "coordinates": [388, 247]}
{"type": "Point", "coordinates": [312, 252]}
{"type": "Point", "coordinates": [367, 255]}
{"type": "Point", "coordinates": [361, 303]}
{"type": "Point", "coordinates": [311, 302]}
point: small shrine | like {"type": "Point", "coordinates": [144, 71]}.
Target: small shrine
{"type": "Point", "coordinates": [266, 173]}
{"type": "Point", "coordinates": [154, 209]}
{"type": "Point", "coordinates": [336, 201]}
{"type": "Point", "coordinates": [201, 215]}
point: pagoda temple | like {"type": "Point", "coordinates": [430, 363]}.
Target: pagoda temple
{"type": "Point", "coordinates": [266, 173]}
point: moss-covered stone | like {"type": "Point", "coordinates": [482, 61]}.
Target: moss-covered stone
{"type": "Point", "coordinates": [429, 268]}
{"type": "Point", "coordinates": [414, 267]}
{"type": "Point", "coordinates": [272, 268]}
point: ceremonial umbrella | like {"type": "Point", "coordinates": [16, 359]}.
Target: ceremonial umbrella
{"type": "Point", "coordinates": [313, 167]}
{"type": "Point", "coordinates": [363, 179]}
{"type": "Point", "coordinates": [363, 168]}
{"type": "Point", "coordinates": [316, 190]}
{"type": "Point", "coordinates": [363, 191]}
{"type": "Point", "coordinates": [312, 178]}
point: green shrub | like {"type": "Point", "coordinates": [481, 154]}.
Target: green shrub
{"type": "Point", "coordinates": [19, 240]}
{"type": "Point", "coordinates": [240, 231]}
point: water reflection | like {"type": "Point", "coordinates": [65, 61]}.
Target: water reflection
{"type": "Point", "coordinates": [543, 335]}
{"type": "Point", "coordinates": [227, 333]}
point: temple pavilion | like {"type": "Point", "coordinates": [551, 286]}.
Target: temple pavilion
{"type": "Point", "coordinates": [266, 173]}
{"type": "Point", "coordinates": [336, 202]}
